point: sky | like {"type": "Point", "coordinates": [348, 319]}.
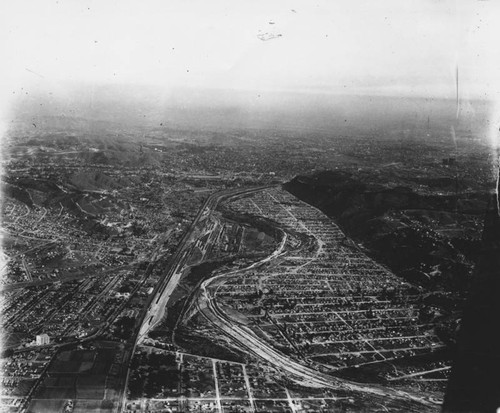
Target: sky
{"type": "Point", "coordinates": [383, 47]}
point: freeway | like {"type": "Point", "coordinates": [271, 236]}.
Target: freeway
{"type": "Point", "coordinates": [245, 338]}
{"type": "Point", "coordinates": [239, 334]}
{"type": "Point", "coordinates": [161, 295]}
{"type": "Point", "coordinates": [154, 309]}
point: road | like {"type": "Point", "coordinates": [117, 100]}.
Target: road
{"type": "Point", "coordinates": [242, 336]}
{"type": "Point", "coordinates": [420, 373]}
{"type": "Point", "coordinates": [157, 302]}
{"type": "Point", "coordinates": [170, 279]}
{"type": "Point", "coordinates": [249, 341]}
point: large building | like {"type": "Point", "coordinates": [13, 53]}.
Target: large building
{"type": "Point", "coordinates": [42, 339]}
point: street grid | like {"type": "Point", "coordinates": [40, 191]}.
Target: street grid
{"type": "Point", "coordinates": [331, 304]}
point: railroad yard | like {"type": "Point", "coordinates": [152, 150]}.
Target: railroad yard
{"type": "Point", "coordinates": [331, 304]}
{"type": "Point", "coordinates": [314, 306]}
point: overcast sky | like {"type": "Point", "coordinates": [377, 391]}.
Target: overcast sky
{"type": "Point", "coordinates": [400, 47]}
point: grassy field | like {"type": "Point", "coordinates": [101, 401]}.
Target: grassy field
{"type": "Point", "coordinates": [80, 375]}
{"type": "Point", "coordinates": [91, 387]}
{"type": "Point", "coordinates": [92, 406]}
{"type": "Point", "coordinates": [46, 406]}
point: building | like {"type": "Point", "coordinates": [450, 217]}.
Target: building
{"type": "Point", "coordinates": [42, 339]}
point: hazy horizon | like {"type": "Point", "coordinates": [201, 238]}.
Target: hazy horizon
{"type": "Point", "coordinates": [413, 48]}
{"type": "Point", "coordinates": [292, 65]}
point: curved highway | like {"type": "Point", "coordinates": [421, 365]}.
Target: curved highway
{"type": "Point", "coordinates": [154, 309]}
{"type": "Point", "coordinates": [242, 336]}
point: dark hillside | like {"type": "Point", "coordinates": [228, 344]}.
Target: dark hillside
{"type": "Point", "coordinates": [431, 240]}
